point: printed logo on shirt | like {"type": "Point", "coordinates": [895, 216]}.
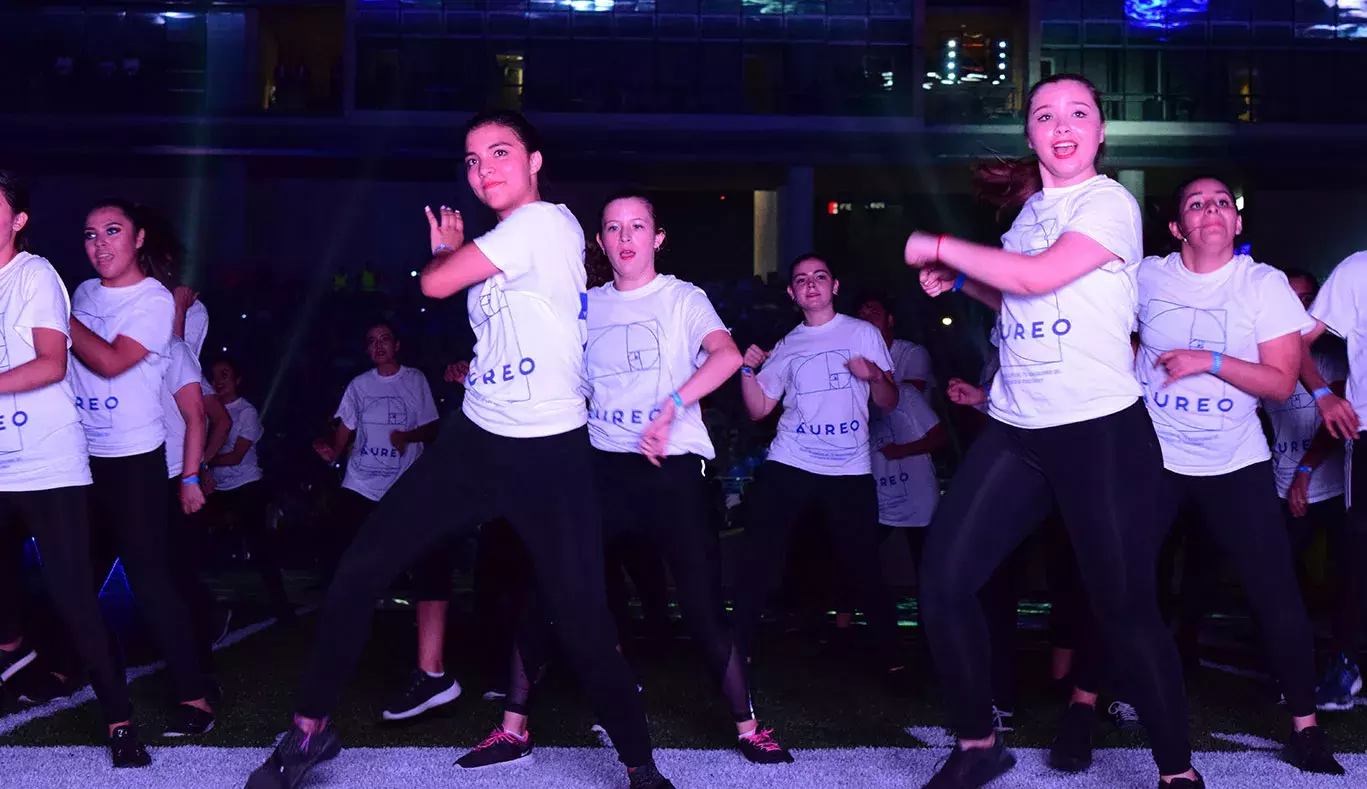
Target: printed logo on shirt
{"type": "Point", "coordinates": [1037, 342]}
{"type": "Point", "coordinates": [504, 376]}
{"type": "Point", "coordinates": [1198, 330]}
{"type": "Point", "coordinates": [97, 408]}
{"type": "Point", "coordinates": [823, 383]}
{"type": "Point", "coordinates": [375, 452]}
{"type": "Point", "coordinates": [626, 357]}
{"type": "Point", "coordinates": [11, 418]}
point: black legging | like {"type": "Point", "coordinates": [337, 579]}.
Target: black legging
{"type": "Point", "coordinates": [778, 498]}
{"type": "Point", "coordinates": [544, 486]}
{"type": "Point", "coordinates": [1332, 517]}
{"type": "Point", "coordinates": [245, 509]}
{"type": "Point", "coordinates": [59, 522]}
{"type": "Point", "coordinates": [187, 552]}
{"type": "Point", "coordinates": [129, 519]}
{"type": "Point", "coordinates": [1104, 474]}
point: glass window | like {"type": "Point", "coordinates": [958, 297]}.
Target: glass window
{"type": "Point", "coordinates": [1060, 33]}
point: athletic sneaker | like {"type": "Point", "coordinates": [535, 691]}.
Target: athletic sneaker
{"type": "Point", "coordinates": [972, 768]}
{"type": "Point", "coordinates": [1072, 748]}
{"type": "Point", "coordinates": [648, 777]}
{"type": "Point", "coordinates": [495, 694]}
{"type": "Point", "coordinates": [760, 747]}
{"type": "Point", "coordinates": [423, 692]}
{"type": "Point", "coordinates": [125, 750]}
{"type": "Point", "coordinates": [189, 721]}
{"type": "Point", "coordinates": [292, 759]}
{"type": "Point", "coordinates": [500, 747]}
{"type": "Point", "coordinates": [42, 687]}
{"type": "Point", "coordinates": [1308, 751]}
{"type": "Point", "coordinates": [1124, 717]}
{"type": "Point", "coordinates": [1001, 720]}
{"type": "Point", "coordinates": [12, 663]}
{"type": "Point", "coordinates": [1342, 681]}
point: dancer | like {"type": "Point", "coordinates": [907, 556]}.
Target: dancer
{"type": "Point", "coordinates": [1066, 425]}
{"type": "Point", "coordinates": [646, 331]}
{"type": "Point", "coordinates": [391, 413]}
{"type": "Point", "coordinates": [523, 418]}
{"type": "Point", "coordinates": [824, 371]}
{"type": "Point", "coordinates": [239, 493]}
{"type": "Point", "coordinates": [1336, 310]}
{"type": "Point", "coordinates": [120, 338]}
{"type": "Point", "coordinates": [1202, 382]}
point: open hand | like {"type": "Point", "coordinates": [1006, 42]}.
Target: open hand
{"type": "Point", "coordinates": [447, 229]}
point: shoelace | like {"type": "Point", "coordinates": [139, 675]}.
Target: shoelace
{"type": "Point", "coordinates": [497, 736]}
{"type": "Point", "coordinates": [1124, 712]}
{"type": "Point", "coordinates": [999, 717]}
{"type": "Point", "coordinates": [764, 740]}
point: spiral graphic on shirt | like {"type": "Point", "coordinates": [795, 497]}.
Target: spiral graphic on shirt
{"type": "Point", "coordinates": [827, 402]}
{"type": "Point", "coordinates": [626, 357]}
{"type": "Point", "coordinates": [501, 374]}
{"type": "Point", "coordinates": [1166, 324]}
{"type": "Point", "coordinates": [11, 436]}
{"type": "Point", "coordinates": [888, 476]}
{"type": "Point", "coordinates": [378, 417]}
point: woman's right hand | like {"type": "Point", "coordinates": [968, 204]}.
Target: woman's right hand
{"type": "Point", "coordinates": [937, 279]}
{"type": "Point", "coordinates": [1339, 417]}
{"type": "Point", "coordinates": [191, 498]}
{"type": "Point", "coordinates": [324, 450]}
{"type": "Point", "coordinates": [456, 372]}
{"type": "Point", "coordinates": [183, 297]}
{"type": "Point", "coordinates": [447, 229]}
{"type": "Point", "coordinates": [754, 357]}
{"type": "Point", "coordinates": [962, 392]}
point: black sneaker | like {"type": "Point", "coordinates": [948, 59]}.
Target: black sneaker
{"type": "Point", "coordinates": [1124, 717]}
{"type": "Point", "coordinates": [648, 776]}
{"type": "Point", "coordinates": [12, 663]}
{"type": "Point", "coordinates": [1072, 748]}
{"type": "Point", "coordinates": [1183, 783]}
{"type": "Point", "coordinates": [42, 687]}
{"type": "Point", "coordinates": [760, 747]}
{"type": "Point", "coordinates": [292, 759]}
{"type": "Point", "coordinates": [189, 721]}
{"type": "Point", "coordinates": [495, 694]}
{"type": "Point", "coordinates": [125, 750]}
{"type": "Point", "coordinates": [1309, 751]}
{"type": "Point", "coordinates": [500, 747]}
{"type": "Point", "coordinates": [972, 768]}
{"type": "Point", "coordinates": [422, 693]}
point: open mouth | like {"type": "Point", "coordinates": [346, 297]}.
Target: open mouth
{"type": "Point", "coordinates": [1064, 150]}
{"type": "Point", "coordinates": [626, 254]}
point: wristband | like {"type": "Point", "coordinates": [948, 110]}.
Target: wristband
{"type": "Point", "coordinates": [1218, 361]}
{"type": "Point", "coordinates": [746, 369]}
{"type": "Point", "coordinates": [1322, 392]}
{"type": "Point", "coordinates": [678, 401]}
{"type": "Point", "coordinates": [193, 479]}
{"type": "Point", "coordinates": [940, 239]}
{"type": "Point", "coordinates": [1305, 469]}
{"type": "Point", "coordinates": [959, 282]}
{"type": "Point", "coordinates": [442, 248]}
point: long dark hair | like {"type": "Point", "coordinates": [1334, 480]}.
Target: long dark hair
{"type": "Point", "coordinates": [509, 119]}
{"type": "Point", "coordinates": [1007, 183]}
{"type": "Point", "coordinates": [162, 252]}
{"type": "Point", "coordinates": [15, 192]}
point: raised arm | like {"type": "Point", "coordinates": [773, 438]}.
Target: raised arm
{"type": "Point", "coordinates": [455, 264]}
{"type": "Point", "coordinates": [757, 404]}
{"type": "Point", "coordinates": [1071, 256]}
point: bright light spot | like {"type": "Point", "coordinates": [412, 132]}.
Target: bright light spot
{"type": "Point", "coordinates": [422, 309]}
{"type": "Point", "coordinates": [1001, 67]}
{"type": "Point", "coordinates": [1239, 202]}
{"type": "Point", "coordinates": [723, 197]}
{"type": "Point", "coordinates": [1001, 45]}
{"type": "Point", "coordinates": [1001, 56]}
{"type": "Point", "coordinates": [996, 82]}
{"type": "Point", "coordinates": [225, 349]}
{"type": "Point", "coordinates": [927, 85]}
{"type": "Point", "coordinates": [951, 56]}
{"type": "Point", "coordinates": [953, 43]}
{"type": "Point", "coordinates": [244, 316]}
{"type": "Point", "coordinates": [950, 68]}
{"type": "Point", "coordinates": [413, 273]}
{"type": "Point", "coordinates": [946, 320]}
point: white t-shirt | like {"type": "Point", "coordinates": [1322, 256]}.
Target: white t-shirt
{"type": "Point", "coordinates": [1294, 424]}
{"type": "Point", "coordinates": [527, 377]}
{"type": "Point", "coordinates": [246, 424]}
{"type": "Point", "coordinates": [643, 345]}
{"type": "Point", "coordinates": [1066, 355]}
{"type": "Point", "coordinates": [42, 443]}
{"type": "Point", "coordinates": [1342, 307]}
{"type": "Point", "coordinates": [1206, 426]}
{"type": "Point", "coordinates": [824, 428]}
{"type": "Point", "coordinates": [196, 327]}
{"type": "Point", "coordinates": [907, 489]}
{"type": "Point", "coordinates": [911, 362]}
{"type": "Point", "coordinates": [374, 406]}
{"type": "Point", "coordinates": [181, 371]}
{"type": "Point", "coordinates": [123, 415]}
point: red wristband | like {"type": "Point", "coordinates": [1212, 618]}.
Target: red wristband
{"type": "Point", "coordinates": [938, 241]}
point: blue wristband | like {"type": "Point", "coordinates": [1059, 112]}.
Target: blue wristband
{"type": "Point", "coordinates": [746, 369]}
{"type": "Point", "coordinates": [1305, 469]}
{"type": "Point", "coordinates": [193, 479]}
{"type": "Point", "coordinates": [1322, 392]}
{"type": "Point", "coordinates": [678, 401]}
{"type": "Point", "coordinates": [959, 282]}
{"type": "Point", "coordinates": [1219, 360]}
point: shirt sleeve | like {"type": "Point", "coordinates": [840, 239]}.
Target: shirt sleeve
{"type": "Point", "coordinates": [916, 365]}
{"type": "Point", "coordinates": [1280, 311]}
{"type": "Point", "coordinates": [875, 348]}
{"type": "Point", "coordinates": [347, 409]}
{"type": "Point", "coordinates": [917, 411]}
{"type": "Point", "coordinates": [149, 324]}
{"type": "Point", "coordinates": [196, 326]}
{"type": "Point", "coordinates": [1336, 305]}
{"type": "Point", "coordinates": [251, 425]}
{"type": "Point", "coordinates": [509, 245]}
{"type": "Point", "coordinates": [45, 302]}
{"type": "Point", "coordinates": [700, 317]}
{"type": "Point", "coordinates": [184, 370]}
{"type": "Point", "coordinates": [771, 377]}
{"type": "Point", "coordinates": [427, 407]}
{"type": "Point", "coordinates": [1110, 217]}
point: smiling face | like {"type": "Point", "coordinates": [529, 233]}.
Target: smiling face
{"type": "Point", "coordinates": [629, 237]}
{"type": "Point", "coordinates": [225, 381]}
{"type": "Point", "coordinates": [1207, 216]}
{"type": "Point", "coordinates": [813, 288]}
{"type": "Point", "coordinates": [1065, 130]}
{"type": "Point", "coordinates": [112, 243]}
{"type": "Point", "coordinates": [502, 174]}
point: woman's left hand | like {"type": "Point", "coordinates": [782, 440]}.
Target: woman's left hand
{"type": "Point", "coordinates": [1180, 364]}
{"type": "Point", "coordinates": [863, 369]}
{"type": "Point", "coordinates": [191, 498]}
{"type": "Point", "coordinates": [655, 438]}
{"type": "Point", "coordinates": [1298, 495]}
{"type": "Point", "coordinates": [922, 249]}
